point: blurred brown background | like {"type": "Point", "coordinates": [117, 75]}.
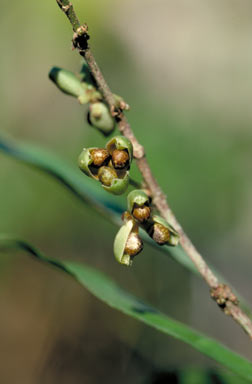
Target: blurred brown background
{"type": "Point", "coordinates": [186, 70]}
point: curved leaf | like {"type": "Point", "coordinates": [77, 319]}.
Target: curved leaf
{"type": "Point", "coordinates": [109, 292]}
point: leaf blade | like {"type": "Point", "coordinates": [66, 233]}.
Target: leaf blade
{"type": "Point", "coordinates": [109, 292]}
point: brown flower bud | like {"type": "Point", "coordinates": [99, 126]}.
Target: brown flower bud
{"type": "Point", "coordinates": [134, 245]}
{"type": "Point", "coordinates": [106, 175]}
{"type": "Point", "coordinates": [120, 158]}
{"type": "Point", "coordinates": [99, 156]}
{"type": "Point", "coordinates": [161, 234]}
{"type": "Point", "coordinates": [141, 213]}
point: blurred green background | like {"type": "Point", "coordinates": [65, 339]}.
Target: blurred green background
{"type": "Point", "coordinates": [186, 70]}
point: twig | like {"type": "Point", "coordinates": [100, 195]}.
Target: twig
{"type": "Point", "coordinates": [221, 293]}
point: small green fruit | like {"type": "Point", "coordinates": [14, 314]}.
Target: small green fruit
{"type": "Point", "coordinates": [100, 118]}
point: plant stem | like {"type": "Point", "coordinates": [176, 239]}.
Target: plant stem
{"type": "Point", "coordinates": [221, 293]}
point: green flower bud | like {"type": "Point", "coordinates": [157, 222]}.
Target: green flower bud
{"type": "Point", "coordinates": [112, 181]}
{"type": "Point", "coordinates": [127, 242]}
{"type": "Point", "coordinates": [139, 205]}
{"type": "Point", "coordinates": [121, 151]}
{"type": "Point", "coordinates": [69, 83]}
{"type": "Point", "coordinates": [162, 232]}
{"type": "Point", "coordinates": [100, 118]}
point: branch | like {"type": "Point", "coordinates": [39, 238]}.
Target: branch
{"type": "Point", "coordinates": [221, 293]}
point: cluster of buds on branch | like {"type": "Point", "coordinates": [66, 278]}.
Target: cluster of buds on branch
{"type": "Point", "coordinates": [111, 166]}
{"type": "Point", "coordinates": [127, 243]}
{"type": "Point", "coordinates": [83, 87]}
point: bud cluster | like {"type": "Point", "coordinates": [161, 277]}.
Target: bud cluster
{"type": "Point", "coordinates": [156, 227]}
{"type": "Point", "coordinates": [127, 242]}
{"type": "Point", "coordinates": [84, 88]}
{"type": "Point", "coordinates": [109, 165]}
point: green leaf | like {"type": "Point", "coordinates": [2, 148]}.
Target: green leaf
{"type": "Point", "coordinates": [109, 292]}
{"type": "Point", "coordinates": [85, 190]}
{"type": "Point", "coordinates": [202, 376]}
{"type": "Point", "coordinates": [193, 376]}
